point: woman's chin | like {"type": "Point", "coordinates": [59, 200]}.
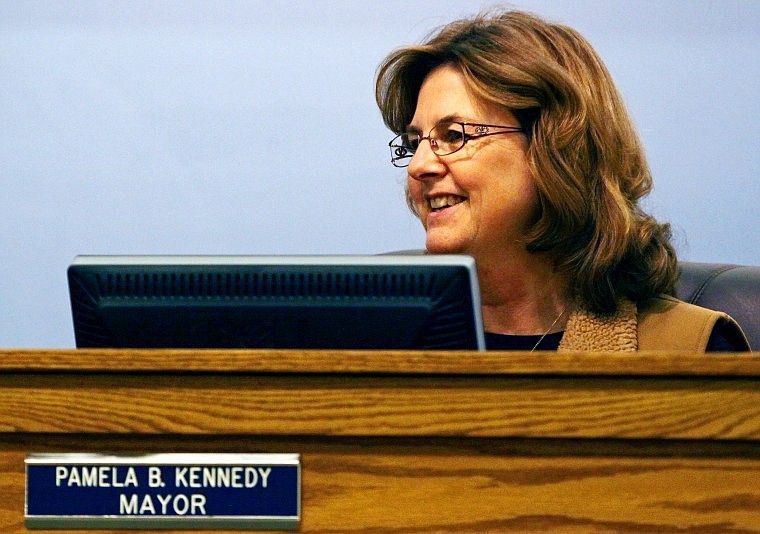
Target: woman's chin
{"type": "Point", "coordinates": [437, 246]}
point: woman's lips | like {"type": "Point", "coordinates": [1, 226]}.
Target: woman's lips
{"type": "Point", "coordinates": [444, 201]}
{"type": "Point", "coordinates": [443, 206]}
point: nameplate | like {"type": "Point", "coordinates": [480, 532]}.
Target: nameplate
{"type": "Point", "coordinates": [166, 491]}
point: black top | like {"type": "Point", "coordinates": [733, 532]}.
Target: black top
{"type": "Point", "coordinates": [718, 342]}
{"type": "Point", "coordinates": [507, 342]}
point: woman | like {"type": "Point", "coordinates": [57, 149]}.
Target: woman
{"type": "Point", "coordinates": [520, 153]}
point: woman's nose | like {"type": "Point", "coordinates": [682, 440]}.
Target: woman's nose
{"type": "Point", "coordinates": [425, 164]}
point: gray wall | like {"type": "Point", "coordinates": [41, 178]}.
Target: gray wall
{"type": "Point", "coordinates": [249, 127]}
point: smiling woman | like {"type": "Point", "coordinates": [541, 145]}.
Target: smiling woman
{"type": "Point", "coordinates": [487, 204]}
{"type": "Point", "coordinates": [566, 256]}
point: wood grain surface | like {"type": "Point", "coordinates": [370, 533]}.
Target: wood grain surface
{"type": "Point", "coordinates": [384, 405]}
{"type": "Point", "coordinates": [441, 448]}
{"type": "Point", "coordinates": [422, 485]}
{"type": "Point", "coordinates": [396, 362]}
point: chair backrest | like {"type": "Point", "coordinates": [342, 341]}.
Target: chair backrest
{"type": "Point", "coordinates": [733, 289]}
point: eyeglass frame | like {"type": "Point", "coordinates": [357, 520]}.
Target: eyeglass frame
{"type": "Point", "coordinates": [395, 157]}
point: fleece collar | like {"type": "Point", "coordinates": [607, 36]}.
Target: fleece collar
{"type": "Point", "coordinates": [615, 332]}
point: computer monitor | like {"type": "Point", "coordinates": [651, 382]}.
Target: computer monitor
{"type": "Point", "coordinates": [318, 302]}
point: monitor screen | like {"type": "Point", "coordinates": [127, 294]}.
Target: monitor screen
{"type": "Point", "coordinates": [320, 302]}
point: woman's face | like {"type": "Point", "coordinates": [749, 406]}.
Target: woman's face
{"type": "Point", "coordinates": [487, 193]}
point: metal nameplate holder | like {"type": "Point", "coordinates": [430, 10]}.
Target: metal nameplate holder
{"type": "Point", "coordinates": [163, 491]}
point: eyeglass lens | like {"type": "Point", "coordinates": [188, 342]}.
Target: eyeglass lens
{"type": "Point", "coordinates": [444, 139]}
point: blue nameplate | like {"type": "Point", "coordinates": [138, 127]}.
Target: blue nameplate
{"type": "Point", "coordinates": [186, 491]}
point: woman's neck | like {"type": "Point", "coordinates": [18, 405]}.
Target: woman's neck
{"type": "Point", "coordinates": [525, 297]}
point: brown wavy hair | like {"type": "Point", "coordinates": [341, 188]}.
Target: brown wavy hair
{"type": "Point", "coordinates": [584, 153]}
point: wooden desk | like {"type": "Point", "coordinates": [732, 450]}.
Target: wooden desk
{"type": "Point", "coordinates": [419, 441]}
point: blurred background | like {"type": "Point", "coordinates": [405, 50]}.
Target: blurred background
{"type": "Point", "coordinates": [250, 127]}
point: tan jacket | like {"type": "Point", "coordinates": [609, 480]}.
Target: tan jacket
{"type": "Point", "coordinates": [661, 323]}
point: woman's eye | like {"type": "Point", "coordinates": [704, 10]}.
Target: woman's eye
{"type": "Point", "coordinates": [412, 142]}
{"type": "Point", "coordinates": [452, 135]}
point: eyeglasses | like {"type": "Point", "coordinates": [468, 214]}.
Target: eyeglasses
{"type": "Point", "coordinates": [444, 138]}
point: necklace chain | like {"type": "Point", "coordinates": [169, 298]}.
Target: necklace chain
{"type": "Point", "coordinates": [549, 329]}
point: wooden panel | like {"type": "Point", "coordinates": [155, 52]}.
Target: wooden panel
{"type": "Point", "coordinates": [397, 362]}
{"type": "Point", "coordinates": [452, 485]}
{"type": "Point", "coordinates": [419, 442]}
{"type": "Point", "coordinates": [381, 405]}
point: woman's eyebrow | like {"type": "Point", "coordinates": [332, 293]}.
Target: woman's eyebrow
{"type": "Point", "coordinates": [450, 118]}
{"type": "Point", "coordinates": [443, 120]}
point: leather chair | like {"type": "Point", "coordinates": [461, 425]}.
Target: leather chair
{"type": "Point", "coordinates": [733, 289]}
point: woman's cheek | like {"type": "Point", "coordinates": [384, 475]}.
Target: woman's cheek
{"type": "Point", "coordinates": [415, 194]}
